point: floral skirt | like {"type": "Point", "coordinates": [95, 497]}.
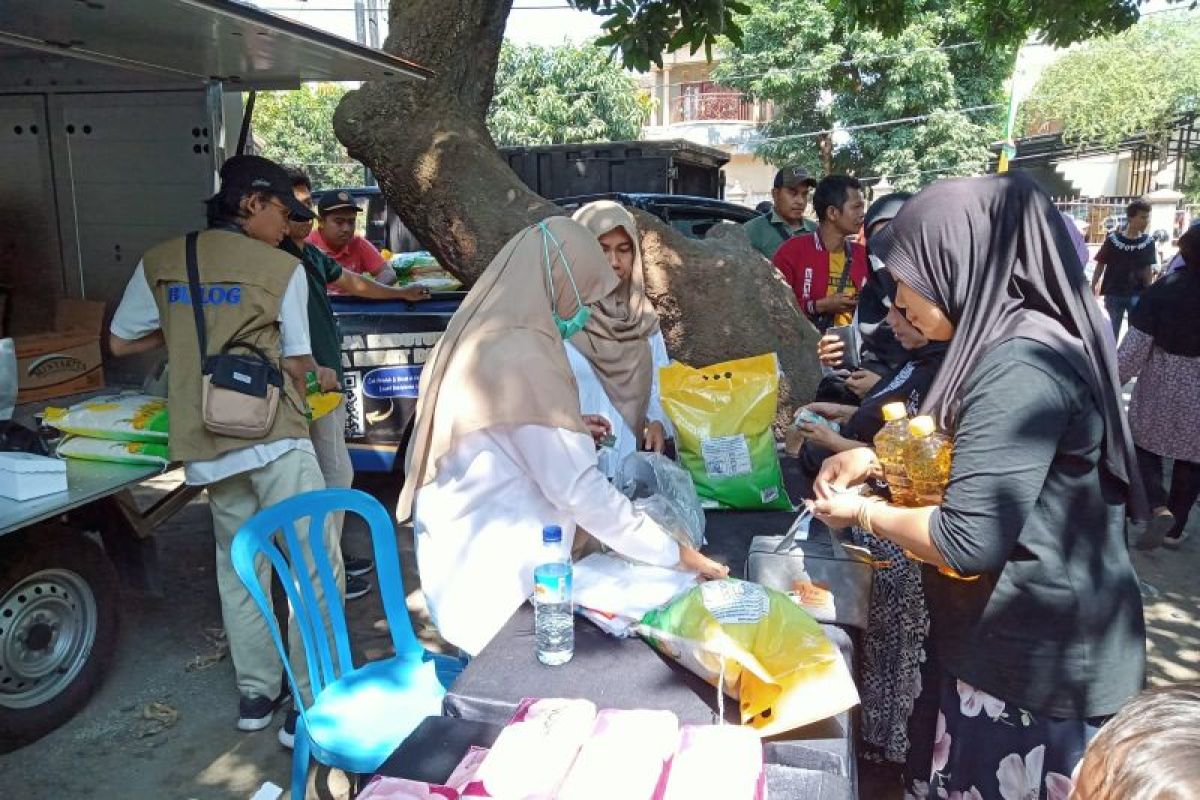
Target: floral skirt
{"type": "Point", "coordinates": [987, 749]}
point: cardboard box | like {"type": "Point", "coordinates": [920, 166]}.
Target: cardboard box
{"type": "Point", "coordinates": [24, 476]}
{"type": "Point", "coordinates": [65, 361]}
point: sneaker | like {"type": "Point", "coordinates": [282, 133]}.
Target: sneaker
{"type": "Point", "coordinates": [1156, 529]}
{"type": "Point", "coordinates": [255, 712]}
{"type": "Point", "coordinates": [358, 566]}
{"type": "Point", "coordinates": [287, 734]}
{"type": "Point", "coordinates": [1174, 539]}
{"type": "Point", "coordinates": [356, 587]}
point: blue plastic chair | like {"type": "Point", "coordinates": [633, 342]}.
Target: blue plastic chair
{"type": "Point", "coordinates": [359, 715]}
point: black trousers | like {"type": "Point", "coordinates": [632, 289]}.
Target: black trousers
{"type": "Point", "coordinates": [1185, 486]}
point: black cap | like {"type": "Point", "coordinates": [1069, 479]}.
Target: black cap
{"type": "Point", "coordinates": [336, 201]}
{"type": "Point", "coordinates": [258, 174]}
{"type": "Point", "coordinates": [794, 176]}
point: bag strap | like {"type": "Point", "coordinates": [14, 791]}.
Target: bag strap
{"type": "Point", "coordinates": [193, 272]}
{"type": "Point", "coordinates": [848, 264]}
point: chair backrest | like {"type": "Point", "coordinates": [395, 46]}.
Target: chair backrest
{"type": "Point", "coordinates": [326, 641]}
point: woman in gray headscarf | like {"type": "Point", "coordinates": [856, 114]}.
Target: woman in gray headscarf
{"type": "Point", "coordinates": [1044, 640]}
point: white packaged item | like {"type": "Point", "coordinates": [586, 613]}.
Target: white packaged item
{"type": "Point", "coordinates": [24, 476]}
{"type": "Point", "coordinates": [615, 593]}
{"type": "Point", "coordinates": [625, 756]}
{"type": "Point", "coordinates": [717, 762]}
{"type": "Point", "coordinates": [533, 753]}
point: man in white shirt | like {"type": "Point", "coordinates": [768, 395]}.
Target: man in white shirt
{"type": "Point", "coordinates": [251, 293]}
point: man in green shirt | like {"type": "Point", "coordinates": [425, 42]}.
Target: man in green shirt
{"type": "Point", "coordinates": [328, 432]}
{"type": "Point", "coordinates": [786, 217]}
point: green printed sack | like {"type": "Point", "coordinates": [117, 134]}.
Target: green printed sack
{"type": "Point", "coordinates": [722, 416]}
{"type": "Point", "coordinates": [85, 449]}
{"type": "Point", "coordinates": [119, 417]}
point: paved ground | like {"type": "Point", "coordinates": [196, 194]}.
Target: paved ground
{"type": "Point", "coordinates": [123, 745]}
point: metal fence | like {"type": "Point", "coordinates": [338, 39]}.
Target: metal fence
{"type": "Point", "coordinates": [1096, 217]}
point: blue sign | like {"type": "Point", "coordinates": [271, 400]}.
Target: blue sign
{"type": "Point", "coordinates": [386, 383]}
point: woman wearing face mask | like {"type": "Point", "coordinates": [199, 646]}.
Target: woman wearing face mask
{"type": "Point", "coordinates": [617, 355]}
{"type": "Point", "coordinates": [1045, 640]}
{"type": "Point", "coordinates": [499, 446]}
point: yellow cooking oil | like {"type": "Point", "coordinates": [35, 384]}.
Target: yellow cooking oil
{"type": "Point", "coordinates": [890, 445]}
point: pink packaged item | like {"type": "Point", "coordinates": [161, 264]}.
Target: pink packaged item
{"type": "Point", "coordinates": [381, 788]}
{"type": "Point", "coordinates": [716, 762]}
{"type": "Point", "coordinates": [464, 774]}
{"type": "Point", "coordinates": [625, 757]}
{"type": "Point", "coordinates": [532, 755]}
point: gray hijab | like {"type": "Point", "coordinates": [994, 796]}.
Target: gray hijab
{"type": "Point", "coordinates": [994, 254]}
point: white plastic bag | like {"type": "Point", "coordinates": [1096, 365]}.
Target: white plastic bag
{"type": "Point", "coordinates": [8, 378]}
{"type": "Point", "coordinates": [665, 491]}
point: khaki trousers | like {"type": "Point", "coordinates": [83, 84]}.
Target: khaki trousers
{"type": "Point", "coordinates": [328, 436]}
{"type": "Point", "coordinates": [233, 501]}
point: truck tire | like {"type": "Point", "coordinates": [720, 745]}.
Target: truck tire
{"type": "Point", "coordinates": [58, 629]}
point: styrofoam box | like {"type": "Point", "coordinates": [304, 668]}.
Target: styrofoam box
{"type": "Point", "coordinates": [24, 476]}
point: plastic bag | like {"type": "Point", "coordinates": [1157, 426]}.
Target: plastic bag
{"type": "Point", "coordinates": [87, 449]}
{"type": "Point", "coordinates": [8, 378]}
{"type": "Point", "coordinates": [722, 416]}
{"type": "Point", "coordinates": [653, 481]}
{"type": "Point", "coordinates": [760, 648]}
{"type": "Point", "coordinates": [122, 418]}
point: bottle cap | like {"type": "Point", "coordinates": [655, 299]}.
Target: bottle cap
{"type": "Point", "coordinates": [922, 426]}
{"type": "Point", "coordinates": [894, 411]}
{"type": "Point", "coordinates": [551, 534]}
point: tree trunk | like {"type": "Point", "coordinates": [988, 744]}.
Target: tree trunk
{"type": "Point", "coordinates": [439, 169]}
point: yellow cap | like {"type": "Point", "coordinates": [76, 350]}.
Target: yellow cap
{"type": "Point", "coordinates": [894, 411]}
{"type": "Point", "coordinates": [921, 426]}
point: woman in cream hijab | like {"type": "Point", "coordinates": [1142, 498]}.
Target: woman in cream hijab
{"type": "Point", "coordinates": [617, 355]}
{"type": "Point", "coordinates": [499, 446]}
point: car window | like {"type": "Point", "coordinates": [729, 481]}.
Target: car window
{"type": "Point", "coordinates": [695, 223]}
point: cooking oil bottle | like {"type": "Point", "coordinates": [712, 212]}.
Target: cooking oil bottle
{"type": "Point", "coordinates": [927, 457]}
{"type": "Point", "coordinates": [890, 444]}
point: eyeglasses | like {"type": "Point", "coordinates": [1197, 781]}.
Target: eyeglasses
{"type": "Point", "coordinates": [287, 212]}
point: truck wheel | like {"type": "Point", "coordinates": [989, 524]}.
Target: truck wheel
{"type": "Point", "coordinates": [58, 629]}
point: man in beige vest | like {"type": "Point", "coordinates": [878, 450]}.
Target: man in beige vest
{"type": "Point", "coordinates": [251, 292]}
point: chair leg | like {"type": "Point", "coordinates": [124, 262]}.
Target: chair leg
{"type": "Point", "coordinates": [300, 761]}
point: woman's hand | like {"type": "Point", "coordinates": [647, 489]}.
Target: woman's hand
{"type": "Point", "coordinates": [821, 435]}
{"type": "Point", "coordinates": [831, 350]}
{"type": "Point", "coordinates": [598, 426]}
{"type": "Point", "coordinates": [862, 381]}
{"type": "Point", "coordinates": [832, 411]}
{"type": "Point", "coordinates": [846, 469]}
{"type": "Point", "coordinates": [840, 510]}
{"type": "Point", "coordinates": [655, 439]}
{"type": "Point", "coordinates": [692, 560]}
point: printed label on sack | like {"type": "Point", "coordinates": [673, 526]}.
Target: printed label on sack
{"type": "Point", "coordinates": [735, 601]}
{"type": "Point", "coordinates": [552, 585]}
{"type": "Point", "coordinates": [769, 495]}
{"type": "Point", "coordinates": [726, 456]}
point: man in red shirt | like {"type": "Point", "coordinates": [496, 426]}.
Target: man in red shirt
{"type": "Point", "coordinates": [337, 215]}
{"type": "Point", "coordinates": [824, 268]}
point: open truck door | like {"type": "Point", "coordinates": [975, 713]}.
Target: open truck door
{"type": "Point", "coordinates": [114, 120]}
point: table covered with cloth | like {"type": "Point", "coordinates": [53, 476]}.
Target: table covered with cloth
{"type": "Point", "coordinates": [629, 674]}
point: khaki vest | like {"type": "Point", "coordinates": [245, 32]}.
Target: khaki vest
{"type": "Point", "coordinates": [242, 283]}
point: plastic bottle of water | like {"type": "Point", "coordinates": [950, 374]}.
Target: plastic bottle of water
{"type": "Point", "coordinates": [553, 620]}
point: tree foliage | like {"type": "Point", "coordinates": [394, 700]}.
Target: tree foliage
{"type": "Point", "coordinates": [643, 30]}
{"type": "Point", "coordinates": [1137, 82]}
{"type": "Point", "coordinates": [296, 128]}
{"type": "Point", "coordinates": [1003, 22]}
{"type": "Point", "coordinates": [820, 75]}
{"type": "Point", "coordinates": [560, 95]}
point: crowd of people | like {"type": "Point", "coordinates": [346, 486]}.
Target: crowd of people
{"type": "Point", "coordinates": [967, 302]}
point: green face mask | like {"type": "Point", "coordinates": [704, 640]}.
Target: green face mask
{"type": "Point", "coordinates": [566, 327]}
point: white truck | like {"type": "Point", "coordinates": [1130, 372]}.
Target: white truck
{"type": "Point", "coordinates": [115, 116]}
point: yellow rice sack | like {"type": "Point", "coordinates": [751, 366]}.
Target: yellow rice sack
{"type": "Point", "coordinates": [120, 417]}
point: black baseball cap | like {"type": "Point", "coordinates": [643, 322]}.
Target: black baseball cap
{"type": "Point", "coordinates": [337, 201]}
{"type": "Point", "coordinates": [794, 176]}
{"type": "Point", "coordinates": [258, 174]}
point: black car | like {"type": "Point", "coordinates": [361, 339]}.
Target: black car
{"type": "Point", "coordinates": [691, 216]}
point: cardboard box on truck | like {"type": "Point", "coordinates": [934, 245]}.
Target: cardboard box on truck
{"type": "Point", "coordinates": [66, 360]}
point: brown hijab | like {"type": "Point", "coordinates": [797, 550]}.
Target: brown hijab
{"type": "Point", "coordinates": [616, 339]}
{"type": "Point", "coordinates": [501, 360]}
